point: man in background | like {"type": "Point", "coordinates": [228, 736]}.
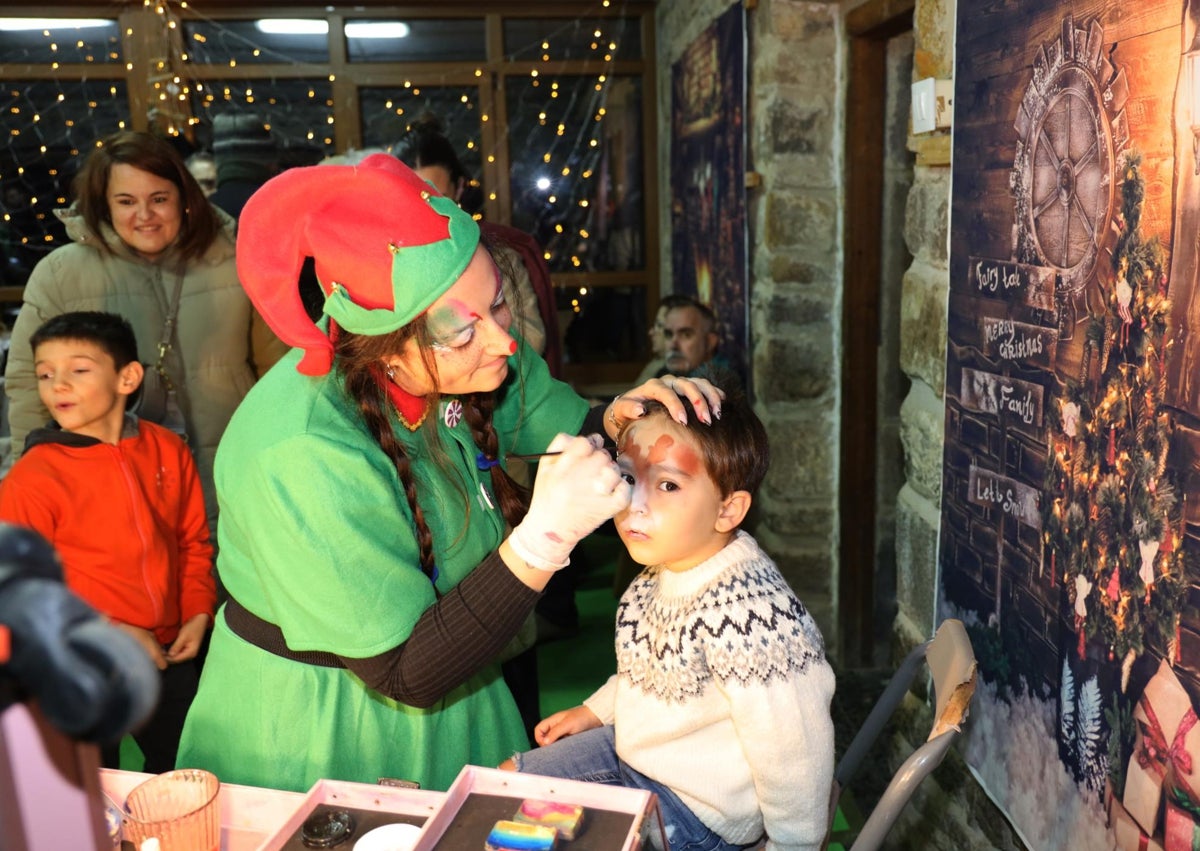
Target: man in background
{"type": "Point", "coordinates": [689, 332]}
{"type": "Point", "coordinates": [658, 344]}
{"type": "Point", "coordinates": [204, 168]}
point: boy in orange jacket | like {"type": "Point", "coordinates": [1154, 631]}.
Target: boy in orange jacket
{"type": "Point", "coordinates": [120, 500]}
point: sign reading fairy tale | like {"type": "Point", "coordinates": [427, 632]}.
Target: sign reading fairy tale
{"type": "Point", "coordinates": [1070, 533]}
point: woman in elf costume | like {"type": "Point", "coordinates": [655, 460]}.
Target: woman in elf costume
{"type": "Point", "coordinates": [376, 553]}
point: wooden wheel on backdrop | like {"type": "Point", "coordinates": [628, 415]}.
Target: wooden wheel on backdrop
{"type": "Point", "coordinates": [1071, 131]}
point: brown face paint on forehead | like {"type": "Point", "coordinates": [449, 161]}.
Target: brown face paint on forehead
{"type": "Point", "coordinates": [687, 460]}
{"type": "Point", "coordinates": [656, 423]}
{"type": "Point", "coordinates": [634, 451]}
{"type": "Point", "coordinates": [661, 448]}
{"type": "Point", "coordinates": [672, 447]}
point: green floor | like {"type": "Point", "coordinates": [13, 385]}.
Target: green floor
{"type": "Point", "coordinates": [571, 669]}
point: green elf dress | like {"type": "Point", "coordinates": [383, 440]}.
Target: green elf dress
{"type": "Point", "coordinates": [317, 537]}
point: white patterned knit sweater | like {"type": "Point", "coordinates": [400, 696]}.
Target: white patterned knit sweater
{"type": "Point", "coordinates": [722, 693]}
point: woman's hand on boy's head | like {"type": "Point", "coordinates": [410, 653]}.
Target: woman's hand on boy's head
{"type": "Point", "coordinates": [187, 643]}
{"type": "Point", "coordinates": [568, 722]}
{"type": "Point", "coordinates": [704, 397]}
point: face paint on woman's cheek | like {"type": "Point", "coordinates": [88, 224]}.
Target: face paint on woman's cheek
{"type": "Point", "coordinates": [450, 319]}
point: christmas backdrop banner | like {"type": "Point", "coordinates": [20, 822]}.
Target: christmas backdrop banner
{"type": "Point", "coordinates": [708, 174]}
{"type": "Point", "coordinates": [1070, 526]}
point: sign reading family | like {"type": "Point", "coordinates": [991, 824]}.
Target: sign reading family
{"type": "Point", "coordinates": [989, 393]}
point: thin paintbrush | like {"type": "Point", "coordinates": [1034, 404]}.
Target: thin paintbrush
{"type": "Point", "coordinates": [533, 456]}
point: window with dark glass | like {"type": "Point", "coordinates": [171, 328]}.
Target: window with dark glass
{"type": "Point", "coordinates": [75, 40]}
{"type": "Point", "coordinates": [257, 42]}
{"type": "Point", "coordinates": [49, 127]}
{"type": "Point", "coordinates": [547, 114]}
{"type": "Point", "coordinates": [389, 112]}
{"type": "Point", "coordinates": [553, 39]}
{"type": "Point", "coordinates": [299, 112]}
{"type": "Point", "coordinates": [575, 144]}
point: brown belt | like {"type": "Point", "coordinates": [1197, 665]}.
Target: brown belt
{"type": "Point", "coordinates": [267, 636]}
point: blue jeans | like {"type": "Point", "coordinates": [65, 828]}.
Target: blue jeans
{"type": "Point", "coordinates": [592, 756]}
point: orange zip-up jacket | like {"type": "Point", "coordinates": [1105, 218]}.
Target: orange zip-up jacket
{"type": "Point", "coordinates": [127, 521]}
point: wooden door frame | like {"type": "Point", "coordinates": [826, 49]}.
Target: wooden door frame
{"type": "Point", "coordinates": [868, 29]}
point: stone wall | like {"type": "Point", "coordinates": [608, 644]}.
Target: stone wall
{"type": "Point", "coordinates": [794, 119]}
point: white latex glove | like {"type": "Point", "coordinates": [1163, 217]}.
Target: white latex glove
{"type": "Point", "coordinates": [574, 492]}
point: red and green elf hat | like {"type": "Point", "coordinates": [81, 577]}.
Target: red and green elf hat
{"type": "Point", "coordinates": [385, 243]}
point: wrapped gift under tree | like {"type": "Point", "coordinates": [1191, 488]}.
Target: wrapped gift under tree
{"type": "Point", "coordinates": [1167, 744]}
{"type": "Point", "coordinates": [1127, 833]}
{"type": "Point", "coordinates": [1182, 821]}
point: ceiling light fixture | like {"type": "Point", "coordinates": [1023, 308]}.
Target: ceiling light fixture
{"type": "Point", "coordinates": [292, 26]}
{"type": "Point", "coordinates": [377, 29]}
{"type": "Point", "coordinates": [354, 29]}
{"type": "Point", "coordinates": [22, 24]}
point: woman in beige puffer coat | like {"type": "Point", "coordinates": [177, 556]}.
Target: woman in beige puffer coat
{"type": "Point", "coordinates": [139, 220]}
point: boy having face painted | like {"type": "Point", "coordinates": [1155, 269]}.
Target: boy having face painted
{"type": "Point", "coordinates": [720, 703]}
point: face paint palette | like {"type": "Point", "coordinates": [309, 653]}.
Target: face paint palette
{"type": "Point", "coordinates": [355, 817]}
{"type": "Point", "coordinates": [567, 819]}
{"type": "Point", "coordinates": [487, 808]}
{"type": "Point", "coordinates": [516, 836]}
{"type": "Point", "coordinates": [369, 817]}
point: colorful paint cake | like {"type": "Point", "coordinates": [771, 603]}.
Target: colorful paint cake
{"type": "Point", "coordinates": [566, 818]}
{"type": "Point", "coordinates": [516, 836]}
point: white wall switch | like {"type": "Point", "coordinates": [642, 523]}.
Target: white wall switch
{"type": "Point", "coordinates": [932, 105]}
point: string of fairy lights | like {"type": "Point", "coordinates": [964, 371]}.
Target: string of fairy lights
{"type": "Point", "coordinates": [556, 120]}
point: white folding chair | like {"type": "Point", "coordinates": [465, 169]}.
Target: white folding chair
{"type": "Point", "coordinates": [951, 662]}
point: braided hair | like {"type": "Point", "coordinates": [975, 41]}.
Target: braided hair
{"type": "Point", "coordinates": [359, 359]}
{"type": "Point", "coordinates": [512, 496]}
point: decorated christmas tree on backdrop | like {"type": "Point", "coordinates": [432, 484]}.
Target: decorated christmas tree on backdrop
{"type": "Point", "coordinates": [1112, 519]}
